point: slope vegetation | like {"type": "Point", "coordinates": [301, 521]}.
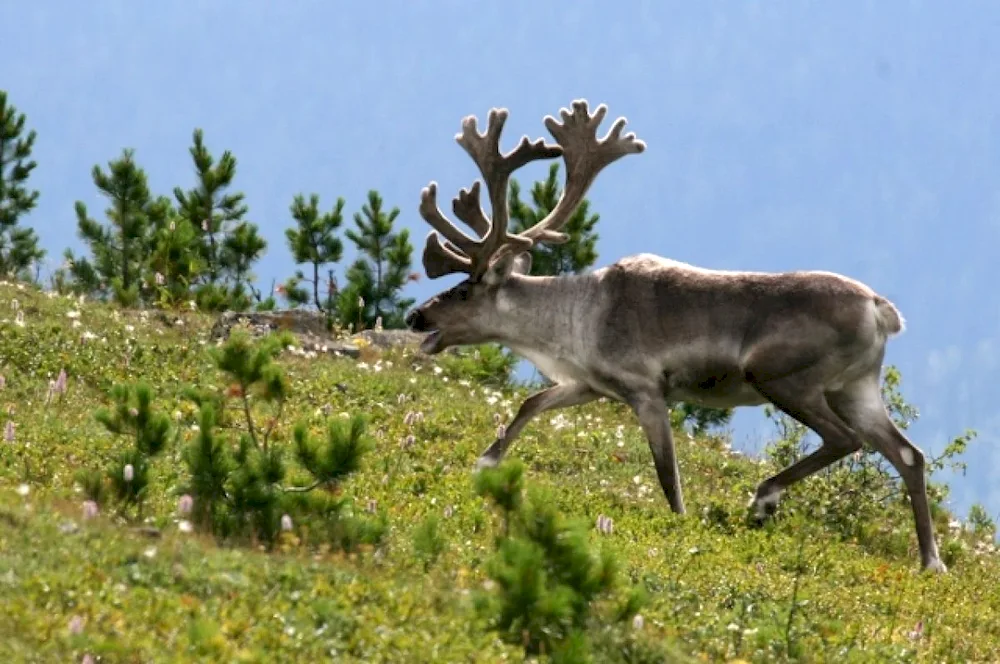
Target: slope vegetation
{"type": "Point", "coordinates": [833, 578]}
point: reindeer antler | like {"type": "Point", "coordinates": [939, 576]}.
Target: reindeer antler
{"type": "Point", "coordinates": [584, 155]}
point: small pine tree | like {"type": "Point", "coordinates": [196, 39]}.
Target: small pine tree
{"type": "Point", "coordinates": [314, 241]}
{"type": "Point", "coordinates": [330, 461]}
{"type": "Point", "coordinates": [121, 248]}
{"type": "Point", "coordinates": [174, 260]}
{"type": "Point", "coordinates": [547, 579]}
{"type": "Point", "coordinates": [18, 245]}
{"type": "Point", "coordinates": [242, 490]}
{"type": "Point", "coordinates": [240, 250]}
{"type": "Point", "coordinates": [250, 370]}
{"type": "Point", "coordinates": [132, 415]}
{"type": "Point", "coordinates": [376, 279]}
{"type": "Point", "coordinates": [228, 244]}
{"type": "Point", "coordinates": [208, 463]}
{"type": "Point", "coordinates": [571, 257]}
{"type": "Point", "coordinates": [428, 542]}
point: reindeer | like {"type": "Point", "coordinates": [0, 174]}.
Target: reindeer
{"type": "Point", "coordinates": [649, 332]}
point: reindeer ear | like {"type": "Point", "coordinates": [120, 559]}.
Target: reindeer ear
{"type": "Point", "coordinates": [522, 263]}
{"type": "Point", "coordinates": [507, 264]}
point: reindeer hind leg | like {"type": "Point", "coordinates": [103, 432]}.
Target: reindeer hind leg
{"type": "Point", "coordinates": [861, 405]}
{"type": "Point", "coordinates": [801, 397]}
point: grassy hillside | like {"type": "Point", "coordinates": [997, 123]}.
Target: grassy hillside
{"type": "Point", "coordinates": [833, 578]}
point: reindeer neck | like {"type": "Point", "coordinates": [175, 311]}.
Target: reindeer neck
{"type": "Point", "coordinates": [547, 314]}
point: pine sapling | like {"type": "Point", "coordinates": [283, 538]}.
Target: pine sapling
{"type": "Point", "coordinates": [18, 244]}
{"type": "Point", "coordinates": [546, 578]}
{"type": "Point", "coordinates": [228, 245]}
{"type": "Point", "coordinates": [331, 460]}
{"type": "Point", "coordinates": [252, 373]}
{"type": "Point", "coordinates": [208, 463]}
{"type": "Point", "coordinates": [121, 248]}
{"type": "Point", "coordinates": [132, 415]}
{"type": "Point", "coordinates": [313, 241]}
{"type": "Point", "coordinates": [376, 279]}
{"type": "Point", "coordinates": [428, 542]}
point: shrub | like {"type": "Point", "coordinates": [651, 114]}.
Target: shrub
{"type": "Point", "coordinates": [243, 491]}
{"type": "Point", "coordinates": [546, 580]}
{"type": "Point", "coordinates": [132, 415]}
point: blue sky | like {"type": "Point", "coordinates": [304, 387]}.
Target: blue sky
{"type": "Point", "coordinates": [859, 137]}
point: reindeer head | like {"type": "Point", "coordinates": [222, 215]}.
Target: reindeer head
{"type": "Point", "coordinates": [471, 311]}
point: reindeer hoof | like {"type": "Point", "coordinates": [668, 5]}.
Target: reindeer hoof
{"type": "Point", "coordinates": [935, 566]}
{"type": "Point", "coordinates": [762, 507]}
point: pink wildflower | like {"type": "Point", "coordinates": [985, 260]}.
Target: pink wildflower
{"type": "Point", "coordinates": [90, 509]}
{"type": "Point", "coordinates": [8, 431]}
{"type": "Point", "coordinates": [61, 380]}
{"type": "Point", "coordinates": [185, 504]}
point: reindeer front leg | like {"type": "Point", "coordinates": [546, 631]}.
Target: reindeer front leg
{"type": "Point", "coordinates": [558, 396]}
{"type": "Point", "coordinates": [654, 418]}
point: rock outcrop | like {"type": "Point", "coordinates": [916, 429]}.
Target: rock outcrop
{"type": "Point", "coordinates": [311, 330]}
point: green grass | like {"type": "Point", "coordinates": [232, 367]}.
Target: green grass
{"type": "Point", "coordinates": [717, 589]}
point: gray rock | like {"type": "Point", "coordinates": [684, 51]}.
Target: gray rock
{"type": "Point", "coordinates": [390, 338]}
{"type": "Point", "coordinates": [297, 321]}
{"type": "Point", "coordinates": [311, 331]}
